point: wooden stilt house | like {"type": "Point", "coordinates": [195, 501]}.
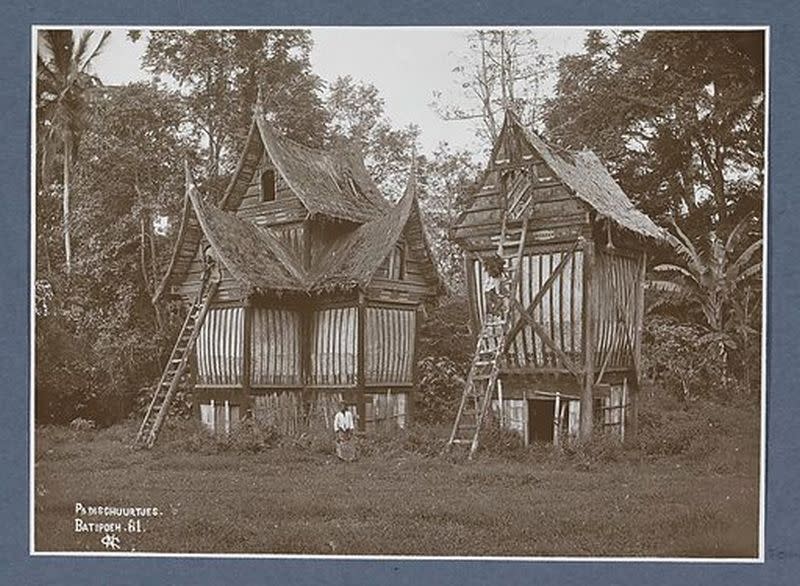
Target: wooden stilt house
{"type": "Point", "coordinates": [565, 356]}
{"type": "Point", "coordinates": [304, 286]}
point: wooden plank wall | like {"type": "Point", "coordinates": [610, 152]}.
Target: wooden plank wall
{"type": "Point", "coordinates": [334, 347]}
{"type": "Point", "coordinates": [386, 411]}
{"type": "Point", "coordinates": [555, 210]}
{"type": "Point", "coordinates": [559, 311]}
{"type": "Point", "coordinates": [389, 345]}
{"type": "Point", "coordinates": [616, 279]}
{"type": "Point", "coordinates": [219, 348]}
{"type": "Point", "coordinates": [286, 207]}
{"type": "Point", "coordinates": [275, 347]}
{"type": "Point", "coordinates": [228, 290]}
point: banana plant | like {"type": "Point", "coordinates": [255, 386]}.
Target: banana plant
{"type": "Point", "coordinates": [715, 281]}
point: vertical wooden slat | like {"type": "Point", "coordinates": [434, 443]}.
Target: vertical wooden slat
{"type": "Point", "coordinates": [587, 407]}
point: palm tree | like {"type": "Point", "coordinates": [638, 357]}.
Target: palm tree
{"type": "Point", "coordinates": [713, 281]}
{"type": "Point", "coordinates": [62, 80]}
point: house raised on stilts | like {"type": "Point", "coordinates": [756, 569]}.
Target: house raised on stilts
{"type": "Point", "coordinates": [303, 286]}
{"type": "Point", "coordinates": [566, 356]}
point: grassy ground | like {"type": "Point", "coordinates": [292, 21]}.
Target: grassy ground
{"type": "Point", "coordinates": [401, 498]}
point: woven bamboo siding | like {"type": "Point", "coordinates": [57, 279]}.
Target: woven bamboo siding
{"type": "Point", "coordinates": [389, 345]}
{"type": "Point", "coordinates": [615, 283]}
{"type": "Point", "coordinates": [559, 310]}
{"type": "Point", "coordinates": [275, 347]}
{"type": "Point", "coordinates": [219, 347]}
{"type": "Point", "coordinates": [334, 346]}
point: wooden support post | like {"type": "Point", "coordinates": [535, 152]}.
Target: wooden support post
{"type": "Point", "coordinates": [412, 395]}
{"type": "Point", "coordinates": [557, 420]}
{"type": "Point", "coordinates": [306, 330]}
{"type": "Point", "coordinates": [633, 393]}
{"type": "Point", "coordinates": [361, 317]}
{"type": "Point", "coordinates": [500, 407]}
{"type": "Point", "coordinates": [247, 346]}
{"type": "Point", "coordinates": [226, 414]}
{"type": "Point", "coordinates": [587, 398]}
{"type": "Point", "coordinates": [474, 293]}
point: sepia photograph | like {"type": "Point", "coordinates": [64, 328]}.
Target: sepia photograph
{"type": "Point", "coordinates": [413, 292]}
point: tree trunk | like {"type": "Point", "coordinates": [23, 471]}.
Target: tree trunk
{"type": "Point", "coordinates": [65, 201]}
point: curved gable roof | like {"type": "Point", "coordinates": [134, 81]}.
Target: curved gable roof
{"type": "Point", "coordinates": [590, 181]}
{"type": "Point", "coordinates": [332, 182]}
{"type": "Point", "coordinates": [260, 262]}
{"type": "Point", "coordinates": [356, 259]}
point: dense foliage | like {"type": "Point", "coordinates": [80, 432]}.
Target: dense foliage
{"type": "Point", "coordinates": [677, 116]}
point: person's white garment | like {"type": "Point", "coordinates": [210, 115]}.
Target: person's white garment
{"type": "Point", "coordinates": [343, 421]}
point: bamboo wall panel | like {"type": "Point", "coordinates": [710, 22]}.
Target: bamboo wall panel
{"type": "Point", "coordinates": [334, 348]}
{"type": "Point", "coordinates": [389, 345]}
{"type": "Point", "coordinates": [275, 347]}
{"type": "Point", "coordinates": [219, 348]}
{"type": "Point", "coordinates": [616, 281]}
{"type": "Point", "coordinates": [559, 311]}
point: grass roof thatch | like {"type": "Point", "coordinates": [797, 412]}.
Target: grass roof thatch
{"type": "Point", "coordinates": [260, 262]}
{"type": "Point", "coordinates": [586, 176]}
{"type": "Point", "coordinates": [333, 183]}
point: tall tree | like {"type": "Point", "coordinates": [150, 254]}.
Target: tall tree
{"type": "Point", "coordinates": [679, 115]}
{"type": "Point", "coordinates": [502, 69]}
{"type": "Point", "coordinates": [63, 77]}
{"type": "Point", "coordinates": [129, 177]}
{"type": "Point", "coordinates": [219, 73]}
{"type": "Point", "coordinates": [358, 118]}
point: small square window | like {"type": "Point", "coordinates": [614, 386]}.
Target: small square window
{"type": "Point", "coordinates": [267, 185]}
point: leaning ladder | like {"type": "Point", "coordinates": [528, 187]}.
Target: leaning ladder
{"type": "Point", "coordinates": [178, 362]}
{"type": "Point", "coordinates": [485, 368]}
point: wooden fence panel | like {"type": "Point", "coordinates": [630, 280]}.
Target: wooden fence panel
{"type": "Point", "coordinates": [220, 346]}
{"type": "Point", "coordinates": [389, 345]}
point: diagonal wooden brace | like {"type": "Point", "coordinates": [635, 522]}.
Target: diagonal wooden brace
{"type": "Point", "coordinates": [527, 313]}
{"type": "Point", "coordinates": [537, 327]}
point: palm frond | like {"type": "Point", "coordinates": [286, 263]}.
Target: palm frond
{"type": "Point", "coordinates": [685, 248]}
{"type": "Point", "coordinates": [97, 50]}
{"type": "Point", "coordinates": [744, 258]}
{"type": "Point", "coordinates": [749, 272]}
{"type": "Point", "coordinates": [737, 233]}
{"type": "Point", "coordinates": [669, 267]}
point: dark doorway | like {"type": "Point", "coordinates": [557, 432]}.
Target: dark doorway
{"type": "Point", "coordinates": [540, 420]}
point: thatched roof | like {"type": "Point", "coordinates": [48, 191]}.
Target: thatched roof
{"type": "Point", "coordinates": [260, 262]}
{"type": "Point", "coordinates": [589, 180]}
{"type": "Point", "coordinates": [332, 182]}
{"type": "Point", "coordinates": [254, 256]}
{"type": "Point", "coordinates": [354, 261]}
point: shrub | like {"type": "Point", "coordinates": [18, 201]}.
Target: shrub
{"type": "Point", "coordinates": [440, 385]}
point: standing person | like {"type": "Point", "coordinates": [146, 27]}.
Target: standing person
{"type": "Point", "coordinates": [343, 427]}
{"type": "Point", "coordinates": [494, 288]}
{"type": "Point", "coordinates": [343, 423]}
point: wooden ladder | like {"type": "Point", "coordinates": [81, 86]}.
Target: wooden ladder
{"type": "Point", "coordinates": [178, 362]}
{"type": "Point", "coordinates": [485, 368]}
